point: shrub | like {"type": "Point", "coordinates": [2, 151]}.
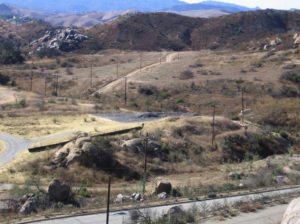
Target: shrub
{"type": "Point", "coordinates": [287, 91]}
{"type": "Point", "coordinates": [292, 76]}
{"type": "Point", "coordinates": [283, 134]}
{"type": "Point", "coordinates": [48, 52]}
{"type": "Point", "coordinates": [187, 74]}
{"type": "Point", "coordinates": [4, 79]}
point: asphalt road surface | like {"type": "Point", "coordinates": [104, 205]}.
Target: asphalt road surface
{"type": "Point", "coordinates": [142, 117]}
{"type": "Point", "coordinates": [264, 216]}
{"type": "Point", "coordinates": [270, 215]}
{"type": "Point", "coordinates": [16, 145]}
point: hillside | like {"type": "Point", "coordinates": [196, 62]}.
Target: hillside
{"type": "Point", "coordinates": [144, 31]}
{"type": "Point", "coordinates": [234, 29]}
{"type": "Point", "coordinates": [155, 31]}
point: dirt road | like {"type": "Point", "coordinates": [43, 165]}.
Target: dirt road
{"type": "Point", "coordinates": [169, 58]}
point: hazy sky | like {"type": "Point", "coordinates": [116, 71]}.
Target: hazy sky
{"type": "Point", "coordinates": [275, 4]}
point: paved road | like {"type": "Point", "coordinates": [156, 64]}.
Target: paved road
{"type": "Point", "coordinates": [141, 117]}
{"type": "Point", "coordinates": [271, 215]}
{"type": "Point", "coordinates": [16, 145]}
{"type": "Point", "coordinates": [123, 216]}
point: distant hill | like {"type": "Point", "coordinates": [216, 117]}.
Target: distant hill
{"type": "Point", "coordinates": [93, 12]}
{"type": "Point", "coordinates": [93, 5]}
{"type": "Point", "coordinates": [211, 5]}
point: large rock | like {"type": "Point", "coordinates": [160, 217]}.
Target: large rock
{"type": "Point", "coordinates": [292, 213]}
{"type": "Point", "coordinates": [174, 211]}
{"type": "Point", "coordinates": [121, 198]}
{"type": "Point", "coordinates": [28, 207]}
{"type": "Point", "coordinates": [82, 151]}
{"type": "Point", "coordinates": [59, 192]}
{"type": "Point", "coordinates": [62, 39]}
{"type": "Point", "coordinates": [164, 187]}
{"type": "Point", "coordinates": [136, 145]}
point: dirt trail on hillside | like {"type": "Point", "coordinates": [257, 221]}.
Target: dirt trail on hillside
{"type": "Point", "coordinates": [109, 87]}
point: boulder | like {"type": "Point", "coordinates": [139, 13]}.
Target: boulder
{"type": "Point", "coordinates": [164, 187]}
{"type": "Point", "coordinates": [163, 195]}
{"type": "Point", "coordinates": [174, 211]}
{"type": "Point", "coordinates": [136, 145]}
{"type": "Point", "coordinates": [59, 192]}
{"type": "Point", "coordinates": [121, 198]}
{"type": "Point", "coordinates": [297, 41]}
{"type": "Point", "coordinates": [28, 207]}
{"type": "Point", "coordinates": [276, 41]}
{"type": "Point", "coordinates": [138, 197]}
{"type": "Point", "coordinates": [282, 179]}
{"type": "Point", "coordinates": [82, 151]}
{"type": "Point", "coordinates": [292, 213]}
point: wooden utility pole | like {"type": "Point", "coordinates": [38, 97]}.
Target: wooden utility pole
{"type": "Point", "coordinates": [31, 77]}
{"type": "Point", "coordinates": [178, 55]}
{"type": "Point", "coordinates": [243, 108]}
{"type": "Point", "coordinates": [108, 201]}
{"type": "Point", "coordinates": [45, 90]}
{"type": "Point", "coordinates": [117, 67]}
{"type": "Point", "coordinates": [125, 91]}
{"type": "Point", "coordinates": [160, 57]}
{"type": "Point", "coordinates": [145, 162]}
{"type": "Point", "coordinates": [56, 86]}
{"type": "Point", "coordinates": [213, 128]}
{"type": "Point", "coordinates": [91, 80]}
{"type": "Point", "coordinates": [140, 61]}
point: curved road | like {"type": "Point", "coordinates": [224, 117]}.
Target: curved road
{"type": "Point", "coordinates": [16, 145]}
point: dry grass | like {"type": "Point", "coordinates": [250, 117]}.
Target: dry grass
{"type": "Point", "coordinates": [44, 125]}
{"type": "Point", "coordinates": [2, 146]}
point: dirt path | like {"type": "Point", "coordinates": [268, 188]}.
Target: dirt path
{"type": "Point", "coordinates": [169, 58]}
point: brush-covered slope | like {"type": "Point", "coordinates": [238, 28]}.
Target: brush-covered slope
{"type": "Point", "coordinates": [145, 31]}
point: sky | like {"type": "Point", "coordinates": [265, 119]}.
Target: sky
{"type": "Point", "coordinates": [274, 4]}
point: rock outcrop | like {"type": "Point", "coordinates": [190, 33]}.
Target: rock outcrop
{"type": "Point", "coordinates": [59, 192]}
{"type": "Point", "coordinates": [292, 213]}
{"type": "Point", "coordinates": [62, 39]}
{"type": "Point", "coordinates": [28, 207]}
{"type": "Point", "coordinates": [136, 145]}
{"type": "Point", "coordinates": [164, 187]}
{"type": "Point", "coordinates": [82, 151]}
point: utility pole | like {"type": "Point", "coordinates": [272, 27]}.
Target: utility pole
{"type": "Point", "coordinates": [31, 77]}
{"type": "Point", "coordinates": [108, 201]}
{"type": "Point", "coordinates": [117, 66]}
{"type": "Point", "coordinates": [91, 75]}
{"type": "Point", "coordinates": [145, 162]}
{"type": "Point", "coordinates": [213, 127]}
{"type": "Point", "coordinates": [160, 57]}
{"type": "Point", "coordinates": [140, 61]}
{"type": "Point", "coordinates": [56, 91]}
{"type": "Point", "coordinates": [178, 55]}
{"type": "Point", "coordinates": [45, 90]}
{"type": "Point", "coordinates": [125, 91]}
{"type": "Point", "coordinates": [243, 108]}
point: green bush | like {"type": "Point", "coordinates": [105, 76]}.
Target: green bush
{"type": "Point", "coordinates": [284, 134]}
